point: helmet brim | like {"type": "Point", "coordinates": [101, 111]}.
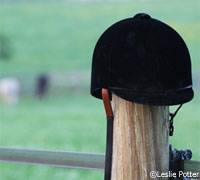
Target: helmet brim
{"type": "Point", "coordinates": [159, 99]}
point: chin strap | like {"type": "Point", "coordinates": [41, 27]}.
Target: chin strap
{"type": "Point", "coordinates": [109, 140]}
{"type": "Point", "coordinates": [172, 115]}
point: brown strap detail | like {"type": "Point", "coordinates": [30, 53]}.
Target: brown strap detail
{"type": "Point", "coordinates": [109, 138]}
{"type": "Point", "coordinates": [107, 104]}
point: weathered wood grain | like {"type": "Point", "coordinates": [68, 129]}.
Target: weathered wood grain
{"type": "Point", "coordinates": [140, 143]}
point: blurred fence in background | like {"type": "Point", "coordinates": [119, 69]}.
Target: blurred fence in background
{"type": "Point", "coordinates": [71, 81]}
{"type": "Point", "coordinates": [74, 81]}
{"type": "Point", "coordinates": [59, 82]}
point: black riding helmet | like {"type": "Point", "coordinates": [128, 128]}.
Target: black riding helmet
{"type": "Point", "coordinates": [142, 60]}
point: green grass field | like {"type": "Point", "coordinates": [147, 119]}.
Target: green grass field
{"type": "Point", "coordinates": [61, 36]}
{"type": "Point", "coordinates": [73, 123]}
{"type": "Point", "coordinates": [70, 123]}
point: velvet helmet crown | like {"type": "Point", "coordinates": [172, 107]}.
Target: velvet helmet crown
{"type": "Point", "coordinates": [142, 60]}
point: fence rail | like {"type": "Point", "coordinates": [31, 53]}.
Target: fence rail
{"type": "Point", "coordinates": [69, 159]}
{"type": "Point", "coordinates": [53, 158]}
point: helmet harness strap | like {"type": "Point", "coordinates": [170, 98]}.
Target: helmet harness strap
{"type": "Point", "coordinates": [172, 115]}
{"type": "Point", "coordinates": [109, 140]}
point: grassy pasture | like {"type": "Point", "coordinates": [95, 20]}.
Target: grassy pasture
{"type": "Point", "coordinates": [73, 123]}
{"type": "Point", "coordinates": [61, 36]}
{"type": "Point", "coordinates": [58, 36]}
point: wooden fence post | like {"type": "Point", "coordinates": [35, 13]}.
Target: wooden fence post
{"type": "Point", "coordinates": [140, 140]}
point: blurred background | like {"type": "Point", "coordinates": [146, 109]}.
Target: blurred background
{"type": "Point", "coordinates": [45, 64]}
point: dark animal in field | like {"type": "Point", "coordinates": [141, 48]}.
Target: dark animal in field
{"type": "Point", "coordinates": [42, 86]}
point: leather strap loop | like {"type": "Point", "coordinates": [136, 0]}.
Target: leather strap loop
{"type": "Point", "coordinates": [107, 104]}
